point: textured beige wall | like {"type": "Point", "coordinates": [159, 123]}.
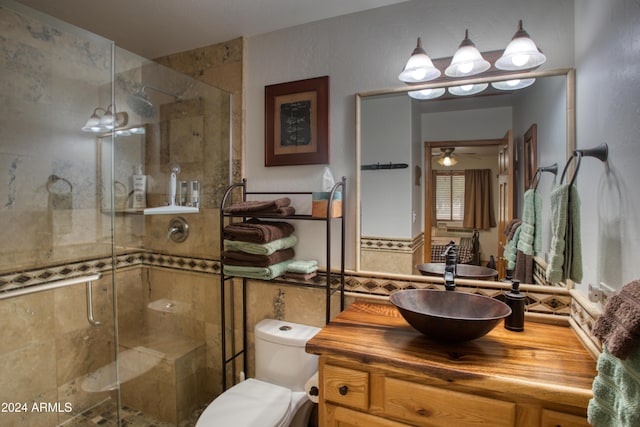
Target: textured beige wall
{"type": "Point", "coordinates": [220, 65]}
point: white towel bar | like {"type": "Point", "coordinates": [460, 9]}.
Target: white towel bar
{"type": "Point", "coordinates": [48, 286]}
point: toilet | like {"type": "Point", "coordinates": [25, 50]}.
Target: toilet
{"type": "Point", "coordinates": [276, 396]}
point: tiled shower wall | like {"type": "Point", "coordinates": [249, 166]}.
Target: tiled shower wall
{"type": "Point", "coordinates": [54, 75]}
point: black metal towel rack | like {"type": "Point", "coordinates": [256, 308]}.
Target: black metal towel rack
{"type": "Point", "coordinates": [600, 152]}
{"type": "Point", "coordinates": [536, 177]}
{"type": "Point", "coordinates": [378, 166]}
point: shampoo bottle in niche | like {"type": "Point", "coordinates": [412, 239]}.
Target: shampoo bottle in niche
{"type": "Point", "coordinates": [139, 189]}
{"type": "Point", "coordinates": [516, 301]}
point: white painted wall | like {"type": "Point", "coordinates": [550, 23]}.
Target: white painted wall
{"type": "Point", "coordinates": [608, 110]}
{"type": "Point", "coordinates": [366, 51]}
{"type": "Point", "coordinates": [386, 210]}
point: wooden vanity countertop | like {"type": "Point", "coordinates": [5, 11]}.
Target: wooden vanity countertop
{"type": "Point", "coordinates": [546, 362]}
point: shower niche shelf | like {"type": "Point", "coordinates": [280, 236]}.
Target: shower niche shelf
{"type": "Point", "coordinates": [171, 210]}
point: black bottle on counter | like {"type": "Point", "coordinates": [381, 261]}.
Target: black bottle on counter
{"type": "Point", "coordinates": [509, 276]}
{"type": "Point", "coordinates": [516, 301]}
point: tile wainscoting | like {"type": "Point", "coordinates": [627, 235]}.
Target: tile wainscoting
{"type": "Point", "coordinates": [554, 304]}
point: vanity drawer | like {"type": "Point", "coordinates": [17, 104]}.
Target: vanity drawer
{"type": "Point", "coordinates": [349, 387]}
{"type": "Point", "coordinates": [426, 405]}
{"type": "Point", "coordinates": [560, 419]}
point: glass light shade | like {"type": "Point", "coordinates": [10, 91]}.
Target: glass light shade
{"type": "Point", "coordinates": [521, 53]}
{"type": "Point", "coordinates": [108, 120]}
{"type": "Point", "coordinates": [93, 124]}
{"type": "Point", "coordinates": [447, 160]}
{"type": "Point", "coordinates": [419, 67]}
{"type": "Point", "coordinates": [427, 93]}
{"type": "Point", "coordinates": [465, 90]}
{"type": "Point", "coordinates": [513, 84]}
{"type": "Point", "coordinates": [467, 61]}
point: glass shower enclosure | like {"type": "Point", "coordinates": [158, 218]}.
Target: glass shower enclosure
{"type": "Point", "coordinates": [107, 314]}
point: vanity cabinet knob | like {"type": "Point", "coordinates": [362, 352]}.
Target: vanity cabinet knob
{"type": "Point", "coordinates": [343, 390]}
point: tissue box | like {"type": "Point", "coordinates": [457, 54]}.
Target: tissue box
{"type": "Point", "coordinates": [320, 200]}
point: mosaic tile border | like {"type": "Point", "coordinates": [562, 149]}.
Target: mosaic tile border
{"type": "Point", "coordinates": [391, 244]}
{"type": "Point", "coordinates": [583, 317]}
{"type": "Point", "coordinates": [22, 279]}
{"type": "Point", "coordinates": [553, 302]}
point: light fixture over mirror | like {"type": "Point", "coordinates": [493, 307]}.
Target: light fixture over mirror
{"type": "Point", "coordinates": [468, 89]}
{"type": "Point", "coordinates": [521, 53]}
{"type": "Point", "coordinates": [467, 61]}
{"type": "Point", "coordinates": [513, 84]}
{"type": "Point", "coordinates": [427, 93]}
{"type": "Point", "coordinates": [107, 121]}
{"type": "Point", "coordinates": [419, 67]}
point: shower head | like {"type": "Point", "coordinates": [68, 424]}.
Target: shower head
{"type": "Point", "coordinates": [140, 103]}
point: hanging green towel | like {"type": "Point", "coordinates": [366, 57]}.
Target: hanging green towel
{"type": "Point", "coordinates": [616, 391]}
{"type": "Point", "coordinates": [573, 262]}
{"type": "Point", "coordinates": [530, 236]}
{"type": "Point", "coordinates": [559, 202]}
{"type": "Point", "coordinates": [565, 257]}
{"type": "Point", "coordinates": [511, 248]}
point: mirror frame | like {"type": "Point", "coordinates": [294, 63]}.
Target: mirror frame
{"type": "Point", "coordinates": [570, 126]}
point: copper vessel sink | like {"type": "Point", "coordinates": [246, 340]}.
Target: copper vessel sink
{"type": "Point", "coordinates": [449, 316]}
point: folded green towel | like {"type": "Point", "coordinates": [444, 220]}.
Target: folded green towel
{"type": "Point", "coordinates": [261, 248]}
{"type": "Point", "coordinates": [616, 391]}
{"type": "Point", "coordinates": [260, 273]}
{"type": "Point", "coordinates": [303, 267]}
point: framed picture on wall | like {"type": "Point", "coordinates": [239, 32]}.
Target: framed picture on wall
{"type": "Point", "coordinates": [297, 122]}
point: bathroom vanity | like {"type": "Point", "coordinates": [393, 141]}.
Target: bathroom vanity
{"type": "Point", "coordinates": [377, 371]}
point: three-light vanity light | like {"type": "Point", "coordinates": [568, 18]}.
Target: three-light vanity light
{"type": "Point", "coordinates": [520, 54]}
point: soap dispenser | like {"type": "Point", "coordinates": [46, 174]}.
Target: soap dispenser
{"type": "Point", "coordinates": [516, 301]}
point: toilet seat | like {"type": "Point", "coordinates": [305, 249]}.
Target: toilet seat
{"type": "Point", "coordinates": [248, 404]}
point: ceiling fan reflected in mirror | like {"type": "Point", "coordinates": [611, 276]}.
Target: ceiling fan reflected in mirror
{"type": "Point", "coordinates": [446, 157]}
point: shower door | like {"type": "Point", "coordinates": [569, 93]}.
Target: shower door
{"type": "Point", "coordinates": [58, 343]}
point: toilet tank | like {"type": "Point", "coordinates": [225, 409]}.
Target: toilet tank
{"type": "Point", "coordinates": [280, 355]}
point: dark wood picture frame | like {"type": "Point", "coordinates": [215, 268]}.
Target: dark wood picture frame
{"type": "Point", "coordinates": [530, 148]}
{"type": "Point", "coordinates": [297, 122]}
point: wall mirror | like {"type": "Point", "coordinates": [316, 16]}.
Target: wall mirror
{"type": "Point", "coordinates": [400, 139]}
{"type": "Point", "coordinates": [127, 147]}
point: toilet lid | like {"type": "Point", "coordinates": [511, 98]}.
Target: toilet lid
{"type": "Point", "coordinates": [248, 404]}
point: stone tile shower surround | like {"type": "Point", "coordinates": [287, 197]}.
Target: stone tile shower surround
{"type": "Point", "coordinates": [54, 75]}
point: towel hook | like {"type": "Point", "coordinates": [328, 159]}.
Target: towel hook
{"type": "Point", "coordinates": [55, 178]}
{"type": "Point", "coordinates": [600, 152]}
{"type": "Point", "coordinates": [552, 168]}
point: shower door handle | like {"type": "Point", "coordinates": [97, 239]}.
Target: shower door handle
{"type": "Point", "coordinates": [90, 306]}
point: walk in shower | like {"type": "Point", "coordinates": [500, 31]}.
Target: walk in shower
{"type": "Point", "coordinates": [105, 315]}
